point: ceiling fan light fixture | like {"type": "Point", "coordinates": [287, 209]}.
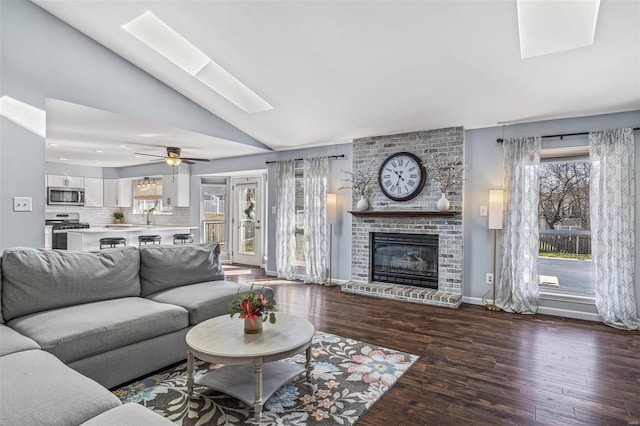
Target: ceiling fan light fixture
{"type": "Point", "coordinates": [173, 161]}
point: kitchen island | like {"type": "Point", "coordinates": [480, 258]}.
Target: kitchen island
{"type": "Point", "coordinates": [89, 239]}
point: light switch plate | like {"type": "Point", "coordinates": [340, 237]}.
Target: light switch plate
{"type": "Point", "coordinates": [483, 210]}
{"type": "Point", "coordinates": [22, 204]}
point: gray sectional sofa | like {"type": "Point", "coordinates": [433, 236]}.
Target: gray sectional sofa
{"type": "Point", "coordinates": [78, 323]}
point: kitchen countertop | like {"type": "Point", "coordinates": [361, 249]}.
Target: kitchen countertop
{"type": "Point", "coordinates": [129, 228]}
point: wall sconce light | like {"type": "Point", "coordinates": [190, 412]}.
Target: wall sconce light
{"type": "Point", "coordinates": [496, 217]}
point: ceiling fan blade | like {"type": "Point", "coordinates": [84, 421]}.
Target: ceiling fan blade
{"type": "Point", "coordinates": [149, 155]}
{"type": "Point", "coordinates": [194, 159]}
{"type": "Point", "coordinates": [184, 160]}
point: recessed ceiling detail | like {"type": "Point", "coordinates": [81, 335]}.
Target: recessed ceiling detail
{"type": "Point", "coordinates": [88, 136]}
{"type": "Point", "coordinates": [554, 26]}
{"type": "Point", "coordinates": [159, 36]}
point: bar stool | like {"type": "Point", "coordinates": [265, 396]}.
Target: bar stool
{"type": "Point", "coordinates": [182, 238]}
{"type": "Point", "coordinates": [112, 242]}
{"type": "Point", "coordinates": [149, 239]}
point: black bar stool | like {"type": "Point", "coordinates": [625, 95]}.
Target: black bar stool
{"type": "Point", "coordinates": [153, 239]}
{"type": "Point", "coordinates": [182, 238]}
{"type": "Point", "coordinates": [112, 242]}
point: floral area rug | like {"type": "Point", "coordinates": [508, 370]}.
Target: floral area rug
{"type": "Point", "coordinates": [348, 377]}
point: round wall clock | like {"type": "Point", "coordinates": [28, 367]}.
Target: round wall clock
{"type": "Point", "coordinates": [402, 176]}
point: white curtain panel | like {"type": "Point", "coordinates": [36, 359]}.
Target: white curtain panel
{"type": "Point", "coordinates": [518, 287]}
{"type": "Point", "coordinates": [286, 219]}
{"type": "Point", "coordinates": [315, 219]}
{"type": "Point", "coordinates": [612, 198]}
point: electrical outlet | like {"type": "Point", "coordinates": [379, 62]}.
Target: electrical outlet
{"type": "Point", "coordinates": [489, 278]}
{"type": "Point", "coordinates": [483, 210]}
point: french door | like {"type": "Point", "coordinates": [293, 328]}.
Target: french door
{"type": "Point", "coordinates": [246, 221]}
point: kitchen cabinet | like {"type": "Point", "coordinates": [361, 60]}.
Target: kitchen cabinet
{"type": "Point", "coordinates": [93, 191]}
{"type": "Point", "coordinates": [175, 190]}
{"type": "Point", "coordinates": [48, 236]}
{"type": "Point", "coordinates": [62, 181]}
{"type": "Point", "coordinates": [118, 192]}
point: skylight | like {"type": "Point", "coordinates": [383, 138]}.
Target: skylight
{"type": "Point", "coordinates": [555, 26]}
{"type": "Point", "coordinates": [153, 32]}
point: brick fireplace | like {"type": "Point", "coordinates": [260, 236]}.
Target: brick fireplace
{"type": "Point", "coordinates": [416, 217]}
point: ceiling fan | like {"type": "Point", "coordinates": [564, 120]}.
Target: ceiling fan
{"type": "Point", "coordinates": [173, 157]}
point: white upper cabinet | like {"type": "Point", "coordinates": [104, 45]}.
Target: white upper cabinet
{"type": "Point", "coordinates": [175, 190]}
{"type": "Point", "coordinates": [61, 181]}
{"type": "Point", "coordinates": [118, 192]}
{"type": "Point", "coordinates": [93, 189]}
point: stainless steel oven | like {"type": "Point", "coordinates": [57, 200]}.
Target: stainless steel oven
{"type": "Point", "coordinates": [65, 196]}
{"type": "Point", "coordinates": [60, 223]}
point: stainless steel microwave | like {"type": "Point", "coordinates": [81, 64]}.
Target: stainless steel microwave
{"type": "Point", "coordinates": [65, 196]}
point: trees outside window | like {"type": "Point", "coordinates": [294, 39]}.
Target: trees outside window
{"type": "Point", "coordinates": [564, 261]}
{"type": "Point", "coordinates": [564, 195]}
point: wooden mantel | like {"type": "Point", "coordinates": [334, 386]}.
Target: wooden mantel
{"type": "Point", "coordinates": [404, 213]}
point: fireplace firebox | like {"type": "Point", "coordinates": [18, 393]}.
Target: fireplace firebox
{"type": "Point", "coordinates": [409, 259]}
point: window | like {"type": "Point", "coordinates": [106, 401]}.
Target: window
{"type": "Point", "coordinates": [300, 216]}
{"type": "Point", "coordinates": [147, 195]}
{"type": "Point", "coordinates": [142, 206]}
{"type": "Point", "coordinates": [564, 260]}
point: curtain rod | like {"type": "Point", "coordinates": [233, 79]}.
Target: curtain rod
{"type": "Point", "coordinates": [500, 140]}
{"type": "Point", "coordinates": [330, 157]}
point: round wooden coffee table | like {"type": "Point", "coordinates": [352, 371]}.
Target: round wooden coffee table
{"type": "Point", "coordinates": [253, 370]}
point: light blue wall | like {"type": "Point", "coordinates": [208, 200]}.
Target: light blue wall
{"type": "Point", "coordinates": [42, 57]}
{"type": "Point", "coordinates": [483, 171]}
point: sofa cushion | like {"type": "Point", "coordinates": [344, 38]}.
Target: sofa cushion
{"type": "Point", "coordinates": [164, 267]}
{"type": "Point", "coordinates": [36, 280]}
{"type": "Point", "coordinates": [11, 341]}
{"type": "Point", "coordinates": [38, 389]}
{"type": "Point", "coordinates": [204, 300]}
{"type": "Point", "coordinates": [80, 331]}
{"type": "Point", "coordinates": [129, 415]}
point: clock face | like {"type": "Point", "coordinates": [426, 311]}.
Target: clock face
{"type": "Point", "coordinates": [402, 176]}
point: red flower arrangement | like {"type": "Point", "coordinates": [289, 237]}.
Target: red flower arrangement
{"type": "Point", "coordinates": [254, 305]}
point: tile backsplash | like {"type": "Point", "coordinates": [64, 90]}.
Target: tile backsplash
{"type": "Point", "coordinates": [92, 215]}
{"type": "Point", "coordinates": [96, 216]}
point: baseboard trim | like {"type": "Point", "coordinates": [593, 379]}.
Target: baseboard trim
{"type": "Point", "coordinates": [565, 313]}
{"type": "Point", "coordinates": [472, 300]}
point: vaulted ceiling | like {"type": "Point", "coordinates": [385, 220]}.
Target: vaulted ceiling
{"type": "Point", "coordinates": [338, 70]}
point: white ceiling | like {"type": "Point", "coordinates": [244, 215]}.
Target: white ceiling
{"type": "Point", "coordinates": [338, 70]}
{"type": "Point", "coordinates": [80, 131]}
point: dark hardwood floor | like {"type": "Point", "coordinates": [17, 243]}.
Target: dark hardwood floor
{"type": "Point", "coordinates": [479, 367]}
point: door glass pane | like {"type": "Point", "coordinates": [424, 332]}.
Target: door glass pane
{"type": "Point", "coordinates": [247, 219]}
{"type": "Point", "coordinates": [214, 221]}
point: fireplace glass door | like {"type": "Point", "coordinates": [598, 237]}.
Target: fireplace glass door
{"type": "Point", "coordinates": [409, 259]}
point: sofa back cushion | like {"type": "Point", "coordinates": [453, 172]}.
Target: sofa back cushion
{"type": "Point", "coordinates": [36, 280]}
{"type": "Point", "coordinates": [163, 267]}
